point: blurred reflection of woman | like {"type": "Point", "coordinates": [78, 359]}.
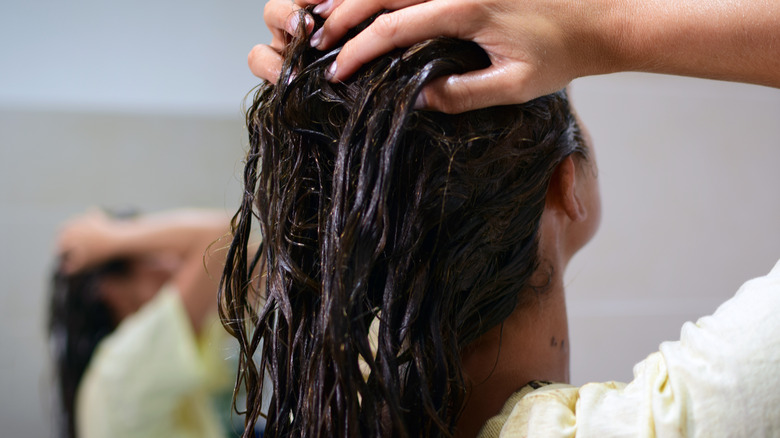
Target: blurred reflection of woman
{"type": "Point", "coordinates": [137, 348]}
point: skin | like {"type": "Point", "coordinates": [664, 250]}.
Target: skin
{"type": "Point", "coordinates": [126, 294]}
{"type": "Point", "coordinates": [538, 46]}
{"type": "Point", "coordinates": [184, 247]}
{"type": "Point", "coordinates": [533, 343]}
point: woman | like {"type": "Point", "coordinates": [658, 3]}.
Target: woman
{"type": "Point", "coordinates": [448, 234]}
{"type": "Point", "coordinates": [676, 392]}
{"type": "Point", "coordinates": [132, 325]}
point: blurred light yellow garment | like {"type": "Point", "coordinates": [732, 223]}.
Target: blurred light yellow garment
{"type": "Point", "coordinates": [152, 378]}
{"type": "Point", "coordinates": [721, 379]}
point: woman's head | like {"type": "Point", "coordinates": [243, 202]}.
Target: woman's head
{"type": "Point", "coordinates": [424, 224]}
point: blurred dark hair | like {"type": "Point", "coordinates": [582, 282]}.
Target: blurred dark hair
{"type": "Point", "coordinates": [368, 210]}
{"type": "Point", "coordinates": [79, 318]}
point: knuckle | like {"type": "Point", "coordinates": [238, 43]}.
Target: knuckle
{"type": "Point", "coordinates": [254, 55]}
{"type": "Point", "coordinates": [332, 25]}
{"type": "Point", "coordinates": [385, 26]}
{"type": "Point", "coordinates": [459, 100]}
{"type": "Point", "coordinates": [268, 12]}
{"type": "Point", "coordinates": [457, 106]}
{"type": "Point", "coordinates": [473, 10]}
{"type": "Point", "coordinates": [448, 104]}
{"type": "Point", "coordinates": [349, 56]}
{"type": "Point", "coordinates": [335, 18]}
{"type": "Point", "coordinates": [277, 15]}
{"type": "Point", "coordinates": [517, 86]}
{"type": "Point", "coordinates": [338, 21]}
{"type": "Point", "coordinates": [347, 52]}
{"type": "Point", "coordinates": [262, 64]}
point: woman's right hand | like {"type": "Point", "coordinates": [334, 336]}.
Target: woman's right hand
{"type": "Point", "coordinates": [265, 60]}
{"type": "Point", "coordinates": [536, 46]}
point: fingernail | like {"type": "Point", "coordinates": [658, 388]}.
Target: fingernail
{"type": "Point", "coordinates": [420, 102]}
{"type": "Point", "coordinates": [309, 22]}
{"type": "Point", "coordinates": [316, 38]}
{"type": "Point", "coordinates": [331, 71]}
{"type": "Point", "coordinates": [323, 8]}
{"type": "Point", "coordinates": [292, 24]}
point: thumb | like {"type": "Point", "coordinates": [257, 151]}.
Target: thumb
{"type": "Point", "coordinates": [493, 86]}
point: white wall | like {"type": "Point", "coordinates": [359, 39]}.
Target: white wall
{"type": "Point", "coordinates": [172, 55]}
{"type": "Point", "coordinates": [54, 165]}
{"type": "Point", "coordinates": [111, 104]}
{"type": "Point", "coordinates": [138, 103]}
{"type": "Point", "coordinates": [689, 173]}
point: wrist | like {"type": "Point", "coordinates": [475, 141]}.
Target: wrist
{"type": "Point", "coordinates": [121, 238]}
{"type": "Point", "coordinates": [600, 37]}
{"type": "Point", "coordinates": [612, 33]}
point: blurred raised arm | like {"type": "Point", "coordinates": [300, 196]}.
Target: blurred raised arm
{"type": "Point", "coordinates": [193, 237]}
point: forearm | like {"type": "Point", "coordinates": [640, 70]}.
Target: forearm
{"type": "Point", "coordinates": [734, 40]}
{"type": "Point", "coordinates": [180, 232]}
{"type": "Point", "coordinates": [199, 238]}
{"type": "Point", "coordinates": [196, 237]}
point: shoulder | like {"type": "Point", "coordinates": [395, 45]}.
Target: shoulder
{"type": "Point", "coordinates": [551, 411]}
{"type": "Point", "coordinates": [719, 379]}
{"type": "Point", "coordinates": [534, 401]}
{"type": "Point", "coordinates": [149, 377]}
{"type": "Point", "coordinates": [157, 321]}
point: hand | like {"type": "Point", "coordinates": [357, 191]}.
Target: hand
{"type": "Point", "coordinates": [282, 19]}
{"type": "Point", "coordinates": [536, 46]}
{"type": "Point", "coordinates": [85, 242]}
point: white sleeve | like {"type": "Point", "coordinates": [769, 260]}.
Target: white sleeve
{"type": "Point", "coordinates": [721, 379]}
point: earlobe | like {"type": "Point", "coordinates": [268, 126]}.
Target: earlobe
{"type": "Point", "coordinates": [565, 190]}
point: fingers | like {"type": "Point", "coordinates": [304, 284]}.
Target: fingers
{"type": "Point", "coordinates": [343, 15]}
{"type": "Point", "coordinates": [496, 85]}
{"type": "Point", "coordinates": [283, 19]}
{"type": "Point", "coordinates": [276, 14]}
{"type": "Point", "coordinates": [69, 250]}
{"type": "Point", "coordinates": [324, 8]}
{"type": "Point", "coordinates": [401, 28]}
{"type": "Point", "coordinates": [81, 239]}
{"type": "Point", "coordinates": [265, 63]}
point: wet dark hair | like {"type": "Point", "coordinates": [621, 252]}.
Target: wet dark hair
{"type": "Point", "coordinates": [369, 210]}
{"type": "Point", "coordinates": [79, 318]}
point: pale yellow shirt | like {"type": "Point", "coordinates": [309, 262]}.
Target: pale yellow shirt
{"type": "Point", "coordinates": [721, 379]}
{"type": "Point", "coordinates": [153, 378]}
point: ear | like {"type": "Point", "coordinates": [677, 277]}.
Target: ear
{"type": "Point", "coordinates": [563, 193]}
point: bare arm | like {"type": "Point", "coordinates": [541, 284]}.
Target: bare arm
{"type": "Point", "coordinates": [734, 40]}
{"type": "Point", "coordinates": [194, 237]}
{"type": "Point", "coordinates": [538, 46]}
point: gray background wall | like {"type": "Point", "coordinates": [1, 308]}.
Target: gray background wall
{"type": "Point", "coordinates": [115, 104]}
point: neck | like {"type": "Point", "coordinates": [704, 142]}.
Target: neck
{"type": "Point", "coordinates": [531, 344]}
